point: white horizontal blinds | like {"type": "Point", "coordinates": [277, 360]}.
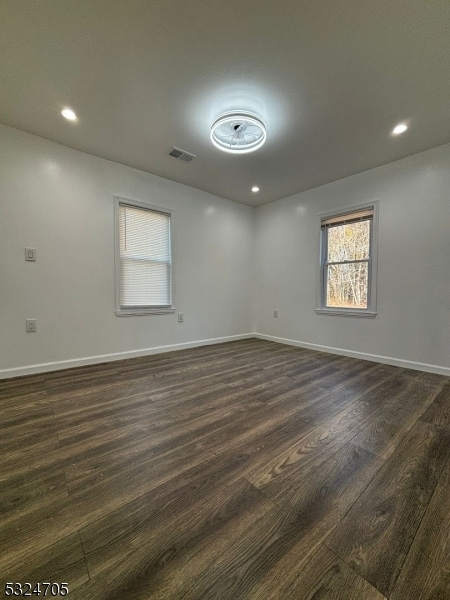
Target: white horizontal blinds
{"type": "Point", "coordinates": [347, 218]}
{"type": "Point", "coordinates": [145, 258]}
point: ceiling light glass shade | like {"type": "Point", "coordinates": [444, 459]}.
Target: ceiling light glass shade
{"type": "Point", "coordinates": [238, 132]}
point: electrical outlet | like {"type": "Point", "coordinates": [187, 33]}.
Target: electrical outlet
{"type": "Point", "coordinates": [275, 313]}
{"type": "Point", "coordinates": [31, 325]}
{"type": "Point", "coordinates": [30, 254]}
{"type": "Point", "coordinates": [180, 317]}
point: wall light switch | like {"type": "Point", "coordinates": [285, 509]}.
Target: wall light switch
{"type": "Point", "coordinates": [275, 313]}
{"type": "Point", "coordinates": [30, 254]}
{"type": "Point", "coordinates": [180, 317]}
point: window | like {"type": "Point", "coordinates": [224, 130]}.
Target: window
{"type": "Point", "coordinates": [348, 263]}
{"type": "Point", "coordinates": [143, 258]}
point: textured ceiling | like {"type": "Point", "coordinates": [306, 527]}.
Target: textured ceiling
{"type": "Point", "coordinates": [330, 78]}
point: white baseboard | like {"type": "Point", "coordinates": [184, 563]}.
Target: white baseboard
{"type": "Point", "coordinates": [388, 360]}
{"type": "Point", "coordinates": [93, 360]}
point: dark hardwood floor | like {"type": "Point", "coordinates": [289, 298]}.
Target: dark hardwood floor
{"type": "Point", "coordinates": [241, 470]}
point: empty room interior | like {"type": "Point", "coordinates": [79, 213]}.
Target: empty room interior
{"type": "Point", "coordinates": [225, 299]}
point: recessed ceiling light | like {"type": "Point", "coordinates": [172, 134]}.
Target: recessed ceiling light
{"type": "Point", "coordinates": [400, 128]}
{"type": "Point", "coordinates": [238, 132]}
{"type": "Point", "coordinates": [68, 114]}
{"type": "Point", "coordinates": [255, 189]}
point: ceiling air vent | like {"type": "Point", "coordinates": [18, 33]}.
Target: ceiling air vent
{"type": "Point", "coordinates": [181, 154]}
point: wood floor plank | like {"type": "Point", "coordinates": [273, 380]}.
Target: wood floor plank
{"type": "Point", "coordinates": [118, 487]}
{"type": "Point", "coordinates": [432, 378]}
{"type": "Point", "coordinates": [330, 436]}
{"type": "Point", "coordinates": [426, 572]}
{"type": "Point", "coordinates": [223, 471]}
{"type": "Point", "coordinates": [154, 549]}
{"type": "Point", "coordinates": [64, 517]}
{"type": "Point", "coordinates": [22, 462]}
{"type": "Point", "coordinates": [383, 434]}
{"type": "Point", "coordinates": [31, 493]}
{"type": "Point", "coordinates": [324, 577]}
{"type": "Point", "coordinates": [301, 523]}
{"type": "Point", "coordinates": [375, 536]}
{"type": "Point", "coordinates": [63, 561]}
{"type": "Point", "coordinates": [107, 538]}
{"type": "Point", "coordinates": [445, 477]}
{"type": "Point", "coordinates": [155, 446]}
{"type": "Point", "coordinates": [20, 429]}
{"type": "Point", "coordinates": [438, 412]}
{"type": "Point", "coordinates": [15, 398]}
{"type": "Point", "coordinates": [348, 459]}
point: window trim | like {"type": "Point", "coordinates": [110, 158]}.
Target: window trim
{"type": "Point", "coordinates": [371, 310]}
{"type": "Point", "coordinates": [157, 310]}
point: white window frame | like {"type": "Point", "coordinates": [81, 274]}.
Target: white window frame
{"type": "Point", "coordinates": [321, 307]}
{"type": "Point", "coordinates": [157, 310]}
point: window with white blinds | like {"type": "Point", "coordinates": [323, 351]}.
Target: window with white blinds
{"type": "Point", "coordinates": [144, 257]}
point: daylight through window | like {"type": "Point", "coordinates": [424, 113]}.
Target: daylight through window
{"type": "Point", "coordinates": [346, 252]}
{"type": "Point", "coordinates": [145, 258]}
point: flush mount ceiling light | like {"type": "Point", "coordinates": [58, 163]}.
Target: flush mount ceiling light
{"type": "Point", "coordinates": [238, 132]}
{"type": "Point", "coordinates": [255, 189]}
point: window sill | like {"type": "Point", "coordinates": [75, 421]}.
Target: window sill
{"type": "Point", "coordinates": [346, 312]}
{"type": "Point", "coordinates": [145, 311]}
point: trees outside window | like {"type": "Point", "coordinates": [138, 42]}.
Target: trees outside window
{"type": "Point", "coordinates": [347, 263]}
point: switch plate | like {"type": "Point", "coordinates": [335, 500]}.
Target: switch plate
{"type": "Point", "coordinates": [31, 325]}
{"type": "Point", "coordinates": [180, 317]}
{"type": "Point", "coordinates": [30, 254]}
{"type": "Point", "coordinates": [275, 313]}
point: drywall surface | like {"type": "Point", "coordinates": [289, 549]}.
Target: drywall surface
{"type": "Point", "coordinates": [226, 282]}
{"type": "Point", "coordinates": [60, 202]}
{"type": "Point", "coordinates": [413, 292]}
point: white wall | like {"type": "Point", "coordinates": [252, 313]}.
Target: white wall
{"type": "Point", "coordinates": [413, 321]}
{"type": "Point", "coordinates": [60, 201]}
